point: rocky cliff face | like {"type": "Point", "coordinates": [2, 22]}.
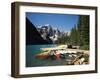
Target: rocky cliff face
{"type": "Point", "coordinates": [32, 35]}
{"type": "Point", "coordinates": [48, 33]}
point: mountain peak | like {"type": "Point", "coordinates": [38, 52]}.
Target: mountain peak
{"type": "Point", "coordinates": [47, 25]}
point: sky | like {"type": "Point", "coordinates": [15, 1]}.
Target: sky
{"type": "Point", "coordinates": [62, 22]}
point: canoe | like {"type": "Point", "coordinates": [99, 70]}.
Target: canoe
{"type": "Point", "coordinates": [42, 56]}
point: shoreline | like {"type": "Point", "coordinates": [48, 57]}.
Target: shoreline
{"type": "Point", "coordinates": [62, 49]}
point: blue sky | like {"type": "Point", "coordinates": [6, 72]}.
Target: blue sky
{"type": "Point", "coordinates": [64, 22]}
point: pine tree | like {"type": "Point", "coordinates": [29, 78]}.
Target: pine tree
{"type": "Point", "coordinates": [73, 36]}
{"type": "Point", "coordinates": [80, 33]}
{"type": "Point", "coordinates": [83, 29]}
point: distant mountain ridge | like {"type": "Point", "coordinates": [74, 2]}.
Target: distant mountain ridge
{"type": "Point", "coordinates": [48, 33]}
{"type": "Point", "coordinates": [44, 34]}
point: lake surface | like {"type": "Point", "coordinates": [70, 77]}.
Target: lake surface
{"type": "Point", "coordinates": [32, 61]}
{"type": "Point", "coordinates": [31, 51]}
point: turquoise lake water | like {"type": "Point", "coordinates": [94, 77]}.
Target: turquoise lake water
{"type": "Point", "coordinates": [31, 51]}
{"type": "Point", "coordinates": [32, 61]}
